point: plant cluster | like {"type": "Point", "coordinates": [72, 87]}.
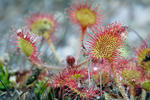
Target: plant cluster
{"type": "Point", "coordinates": [103, 73]}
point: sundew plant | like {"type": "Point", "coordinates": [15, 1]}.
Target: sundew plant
{"type": "Point", "coordinates": [74, 51]}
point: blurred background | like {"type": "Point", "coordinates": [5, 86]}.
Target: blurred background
{"type": "Point", "coordinates": [133, 13]}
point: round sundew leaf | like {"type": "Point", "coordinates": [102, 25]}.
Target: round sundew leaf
{"type": "Point", "coordinates": [26, 47]}
{"type": "Point", "coordinates": [105, 46]}
{"type": "Point", "coordinates": [130, 74]}
{"type": "Point", "coordinates": [85, 17]}
{"type": "Point", "coordinates": [76, 76]}
{"type": "Point", "coordinates": [142, 55]}
{"type": "Point", "coordinates": [146, 85]}
{"type": "Point", "coordinates": [105, 43]}
{"type": "Point", "coordinates": [42, 27]}
{"type": "Point", "coordinates": [147, 69]}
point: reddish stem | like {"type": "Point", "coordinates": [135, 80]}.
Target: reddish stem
{"type": "Point", "coordinates": [83, 30]}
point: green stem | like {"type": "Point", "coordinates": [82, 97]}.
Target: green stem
{"type": "Point", "coordinates": [80, 45]}
{"type": "Point", "coordinates": [121, 88]}
{"type": "Point", "coordinates": [132, 91]}
{"type": "Point", "coordinates": [143, 95]}
{"type": "Point", "coordinates": [53, 50]}
{"type": "Point", "coordinates": [118, 83]}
